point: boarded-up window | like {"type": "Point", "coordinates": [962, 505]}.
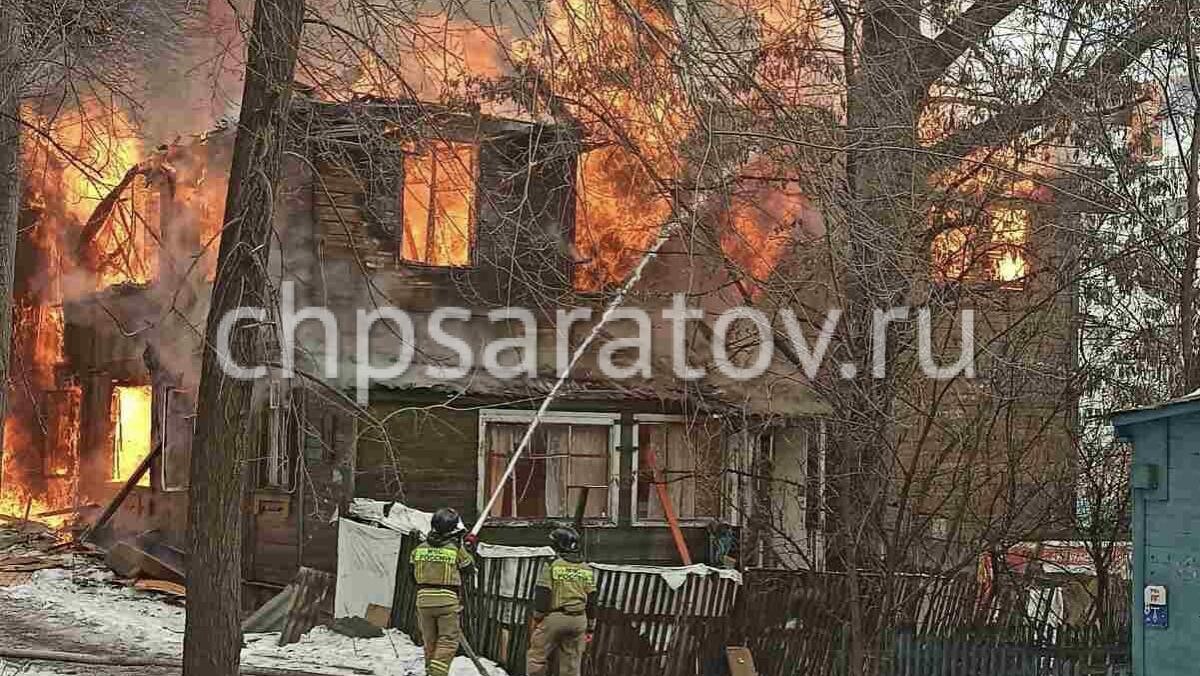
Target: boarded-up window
{"type": "Point", "coordinates": [179, 426]}
{"type": "Point", "coordinates": [438, 204]}
{"type": "Point", "coordinates": [62, 433]}
{"type": "Point", "coordinates": [561, 460]}
{"type": "Point", "coordinates": [685, 458]}
{"type": "Point", "coordinates": [131, 416]}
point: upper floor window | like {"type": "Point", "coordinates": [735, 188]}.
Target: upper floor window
{"type": "Point", "coordinates": [438, 204]}
{"type": "Point", "coordinates": [990, 247]}
{"type": "Point", "coordinates": [568, 453]}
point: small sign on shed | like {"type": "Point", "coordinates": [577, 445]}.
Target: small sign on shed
{"type": "Point", "coordinates": [1154, 613]}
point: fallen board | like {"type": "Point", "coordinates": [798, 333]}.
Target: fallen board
{"type": "Point", "coordinates": [164, 586]}
{"type": "Point", "coordinates": [312, 586]}
{"type": "Point", "coordinates": [124, 559]}
{"type": "Point", "coordinates": [272, 615]}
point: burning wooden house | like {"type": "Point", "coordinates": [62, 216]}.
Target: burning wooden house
{"type": "Point", "coordinates": [423, 207]}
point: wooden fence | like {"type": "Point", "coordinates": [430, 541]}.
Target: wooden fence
{"type": "Point", "coordinates": [793, 622]}
{"type": "Point", "coordinates": [644, 626]}
{"type": "Point", "coordinates": [1067, 653]}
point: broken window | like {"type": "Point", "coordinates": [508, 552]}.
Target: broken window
{"type": "Point", "coordinates": [62, 433]}
{"type": "Point", "coordinates": [991, 246]}
{"type": "Point", "coordinates": [684, 458]}
{"type": "Point", "coordinates": [131, 430]}
{"type": "Point", "coordinates": [179, 426]}
{"type": "Point", "coordinates": [563, 458]}
{"type": "Point", "coordinates": [438, 204]}
{"type": "Point", "coordinates": [278, 470]}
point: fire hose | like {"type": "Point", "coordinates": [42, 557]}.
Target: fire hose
{"type": "Point", "coordinates": [664, 234]}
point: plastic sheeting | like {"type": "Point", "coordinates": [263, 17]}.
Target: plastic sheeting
{"type": "Point", "coordinates": [398, 517]}
{"type": "Point", "coordinates": [366, 566]}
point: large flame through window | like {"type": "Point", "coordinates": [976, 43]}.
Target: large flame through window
{"type": "Point", "coordinates": [131, 430]}
{"type": "Point", "coordinates": [439, 203]}
{"type": "Point", "coordinates": [994, 249]}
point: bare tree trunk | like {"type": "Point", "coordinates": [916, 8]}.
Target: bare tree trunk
{"type": "Point", "coordinates": [882, 107]}
{"type": "Point", "coordinates": [11, 29]}
{"type": "Point", "coordinates": [1187, 282]}
{"type": "Point", "coordinates": [225, 431]}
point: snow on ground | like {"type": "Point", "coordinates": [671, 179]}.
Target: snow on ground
{"type": "Point", "coordinates": [148, 626]}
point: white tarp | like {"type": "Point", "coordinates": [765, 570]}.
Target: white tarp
{"type": "Point", "coordinates": [366, 567]}
{"type": "Point", "coordinates": [398, 517]}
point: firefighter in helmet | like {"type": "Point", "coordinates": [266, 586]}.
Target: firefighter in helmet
{"type": "Point", "coordinates": [439, 565]}
{"type": "Point", "coordinates": [564, 604]}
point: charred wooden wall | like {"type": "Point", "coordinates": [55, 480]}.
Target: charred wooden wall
{"type": "Point", "coordinates": [997, 451]}
{"type": "Point", "coordinates": [523, 205]}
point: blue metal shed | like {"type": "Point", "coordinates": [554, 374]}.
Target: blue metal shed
{"type": "Point", "coordinates": [1165, 476]}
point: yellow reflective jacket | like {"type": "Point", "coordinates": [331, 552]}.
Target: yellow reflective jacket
{"type": "Point", "coordinates": [569, 583]}
{"type": "Point", "coordinates": [437, 572]}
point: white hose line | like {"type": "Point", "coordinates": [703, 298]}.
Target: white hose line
{"type": "Point", "coordinates": [664, 234]}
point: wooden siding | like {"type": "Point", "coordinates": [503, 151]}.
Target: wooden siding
{"type": "Point", "coordinates": [430, 463]}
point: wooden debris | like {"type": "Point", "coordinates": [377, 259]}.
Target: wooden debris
{"type": "Point", "coordinates": [68, 510]}
{"type": "Point", "coordinates": [31, 567]}
{"type": "Point", "coordinates": [119, 498]}
{"type": "Point", "coordinates": [355, 627]}
{"type": "Point", "coordinates": [134, 661]}
{"type": "Point", "coordinates": [129, 560]}
{"type": "Point", "coordinates": [312, 587]}
{"type": "Point", "coordinates": [741, 662]}
{"type": "Point", "coordinates": [164, 586]}
{"type": "Point", "coordinates": [14, 579]}
{"type": "Point", "coordinates": [272, 615]}
{"type": "Point", "coordinates": [125, 560]}
{"type": "Point", "coordinates": [29, 563]}
{"type": "Point", "coordinates": [340, 667]}
{"type": "Point", "coordinates": [158, 567]}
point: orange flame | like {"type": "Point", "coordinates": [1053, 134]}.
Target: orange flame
{"type": "Point", "coordinates": [131, 417]}
{"type": "Point", "coordinates": [766, 213]}
{"type": "Point", "coordinates": [617, 72]}
{"type": "Point", "coordinates": [81, 156]}
{"type": "Point", "coordinates": [439, 205]}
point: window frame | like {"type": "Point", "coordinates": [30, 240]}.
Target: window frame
{"type": "Point", "coordinates": [725, 498]}
{"type": "Point", "coordinates": [981, 252]}
{"type": "Point", "coordinates": [612, 421]}
{"type": "Point", "coordinates": [278, 464]}
{"type": "Point", "coordinates": [74, 399]}
{"type": "Point", "coordinates": [168, 394]}
{"type": "Point", "coordinates": [426, 148]}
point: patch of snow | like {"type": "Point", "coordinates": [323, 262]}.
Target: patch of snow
{"type": "Point", "coordinates": [152, 627]}
{"type": "Point", "coordinates": [91, 600]}
{"type": "Point", "coordinates": [392, 655]}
